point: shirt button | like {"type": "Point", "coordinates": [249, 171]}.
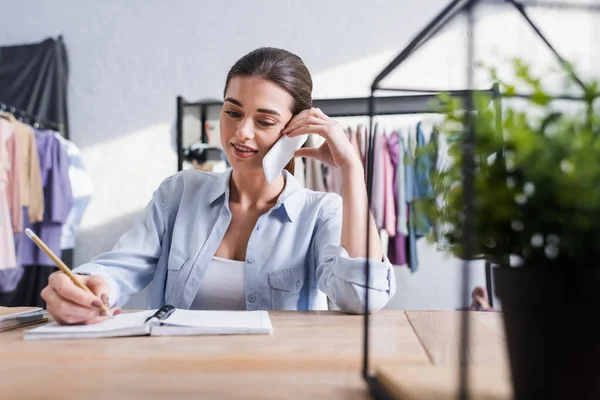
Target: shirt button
{"type": "Point", "coordinates": [297, 284]}
{"type": "Point", "coordinates": [257, 228]}
{"type": "Point", "coordinates": [252, 298]}
{"type": "Point", "coordinates": [251, 260]}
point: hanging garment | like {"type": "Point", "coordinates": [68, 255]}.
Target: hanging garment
{"type": "Point", "coordinates": [12, 178]}
{"type": "Point", "coordinates": [424, 189]}
{"type": "Point", "coordinates": [402, 218]}
{"type": "Point", "coordinates": [299, 171]}
{"type": "Point", "coordinates": [354, 140]}
{"type": "Point", "coordinates": [378, 185]}
{"type": "Point", "coordinates": [10, 273]}
{"type": "Point", "coordinates": [397, 244]}
{"type": "Point", "coordinates": [58, 201]}
{"type": "Point", "coordinates": [389, 223]}
{"type": "Point", "coordinates": [314, 169]}
{"type": "Point", "coordinates": [411, 193]}
{"type": "Point", "coordinates": [32, 192]}
{"type": "Point", "coordinates": [361, 137]}
{"type": "Point", "coordinates": [435, 146]}
{"type": "Point", "coordinates": [34, 78]}
{"type": "Point", "coordinates": [82, 189]}
{"type": "Point", "coordinates": [29, 288]}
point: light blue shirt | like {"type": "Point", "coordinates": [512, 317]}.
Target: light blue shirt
{"type": "Point", "coordinates": [293, 255]}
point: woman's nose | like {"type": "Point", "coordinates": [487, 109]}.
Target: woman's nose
{"type": "Point", "coordinates": [244, 129]}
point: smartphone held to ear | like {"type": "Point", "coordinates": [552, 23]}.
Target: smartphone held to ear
{"type": "Point", "coordinates": [280, 154]}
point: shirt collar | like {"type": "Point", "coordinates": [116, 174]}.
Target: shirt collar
{"type": "Point", "coordinates": [291, 199]}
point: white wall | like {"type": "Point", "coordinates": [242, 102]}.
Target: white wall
{"type": "Point", "coordinates": [130, 59]}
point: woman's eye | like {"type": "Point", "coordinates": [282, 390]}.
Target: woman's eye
{"type": "Point", "coordinates": [233, 114]}
{"type": "Point", "coordinates": [266, 123]}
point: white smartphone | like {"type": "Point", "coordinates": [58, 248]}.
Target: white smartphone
{"type": "Point", "coordinates": [280, 154]}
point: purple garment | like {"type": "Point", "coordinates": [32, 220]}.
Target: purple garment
{"type": "Point", "coordinates": [393, 149]}
{"type": "Point", "coordinates": [9, 278]}
{"type": "Point", "coordinates": [58, 201]}
{"type": "Point", "coordinates": [397, 244]}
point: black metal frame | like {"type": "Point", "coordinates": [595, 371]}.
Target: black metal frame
{"type": "Point", "coordinates": [454, 8]}
{"type": "Point", "coordinates": [34, 120]}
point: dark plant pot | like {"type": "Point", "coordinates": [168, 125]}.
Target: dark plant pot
{"type": "Point", "coordinates": [552, 322]}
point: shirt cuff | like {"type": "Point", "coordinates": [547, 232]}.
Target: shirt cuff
{"type": "Point", "coordinates": [93, 269]}
{"type": "Point", "coordinates": [352, 270]}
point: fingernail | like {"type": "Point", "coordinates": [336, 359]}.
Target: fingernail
{"type": "Point", "coordinates": [116, 312]}
{"type": "Point", "coordinates": [104, 298]}
{"type": "Point", "coordinates": [96, 303]}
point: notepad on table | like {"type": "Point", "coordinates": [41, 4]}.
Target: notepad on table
{"type": "Point", "coordinates": [179, 323]}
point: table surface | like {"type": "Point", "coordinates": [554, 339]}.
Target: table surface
{"type": "Point", "coordinates": [309, 354]}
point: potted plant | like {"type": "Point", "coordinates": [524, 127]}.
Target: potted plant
{"type": "Point", "coordinates": [536, 216]}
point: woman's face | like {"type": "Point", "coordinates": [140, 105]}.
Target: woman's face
{"type": "Point", "coordinates": [254, 113]}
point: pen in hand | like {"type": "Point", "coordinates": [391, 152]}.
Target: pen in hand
{"type": "Point", "coordinates": [63, 267]}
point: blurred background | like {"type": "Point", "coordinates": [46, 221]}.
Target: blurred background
{"type": "Point", "coordinates": [129, 60]}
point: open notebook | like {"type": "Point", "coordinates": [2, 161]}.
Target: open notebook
{"type": "Point", "coordinates": [179, 323]}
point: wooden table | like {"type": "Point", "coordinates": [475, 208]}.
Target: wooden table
{"type": "Point", "coordinates": [310, 354]}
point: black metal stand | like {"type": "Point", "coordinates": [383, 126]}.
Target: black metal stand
{"type": "Point", "coordinates": [454, 8]}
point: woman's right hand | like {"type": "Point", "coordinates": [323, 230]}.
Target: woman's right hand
{"type": "Point", "coordinates": [69, 304]}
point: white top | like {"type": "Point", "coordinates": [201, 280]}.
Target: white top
{"type": "Point", "coordinates": [222, 287]}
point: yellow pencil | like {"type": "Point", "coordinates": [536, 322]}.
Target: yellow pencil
{"type": "Point", "coordinates": [62, 266]}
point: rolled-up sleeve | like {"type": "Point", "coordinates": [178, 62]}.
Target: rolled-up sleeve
{"type": "Point", "coordinates": [342, 277]}
{"type": "Point", "coordinates": [129, 267]}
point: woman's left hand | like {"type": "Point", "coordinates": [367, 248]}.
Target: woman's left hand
{"type": "Point", "coordinates": [337, 150]}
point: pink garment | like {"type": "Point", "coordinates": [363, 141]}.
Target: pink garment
{"type": "Point", "coordinates": [13, 187]}
{"type": "Point", "coordinates": [389, 198]}
{"type": "Point", "coordinates": [361, 138]}
{"type": "Point", "coordinates": [355, 143]}
{"type": "Point", "coordinates": [7, 245]}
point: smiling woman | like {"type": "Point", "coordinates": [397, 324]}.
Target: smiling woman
{"type": "Point", "coordinates": [234, 241]}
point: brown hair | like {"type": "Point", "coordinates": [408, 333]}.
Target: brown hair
{"type": "Point", "coordinates": [283, 68]}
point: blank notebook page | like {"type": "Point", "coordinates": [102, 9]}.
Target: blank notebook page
{"type": "Point", "coordinates": [121, 321]}
{"type": "Point", "coordinates": [228, 319]}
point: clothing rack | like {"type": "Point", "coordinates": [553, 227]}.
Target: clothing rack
{"type": "Point", "coordinates": [421, 103]}
{"type": "Point", "coordinates": [33, 120]}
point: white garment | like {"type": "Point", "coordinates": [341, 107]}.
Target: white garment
{"type": "Point", "coordinates": [8, 258]}
{"type": "Point", "coordinates": [222, 287]}
{"type": "Point", "coordinates": [82, 188]}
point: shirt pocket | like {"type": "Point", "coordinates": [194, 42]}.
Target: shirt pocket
{"type": "Point", "coordinates": [286, 285]}
{"type": "Point", "coordinates": [177, 260]}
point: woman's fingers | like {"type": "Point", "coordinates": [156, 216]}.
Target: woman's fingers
{"type": "Point", "coordinates": [67, 289]}
{"type": "Point", "coordinates": [66, 310]}
{"type": "Point", "coordinates": [321, 130]}
{"type": "Point", "coordinates": [303, 120]}
{"type": "Point", "coordinates": [98, 285]}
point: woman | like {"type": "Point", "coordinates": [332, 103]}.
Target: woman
{"type": "Point", "coordinates": [233, 241]}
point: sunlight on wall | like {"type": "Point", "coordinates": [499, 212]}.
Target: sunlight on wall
{"type": "Point", "coordinates": [138, 162]}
